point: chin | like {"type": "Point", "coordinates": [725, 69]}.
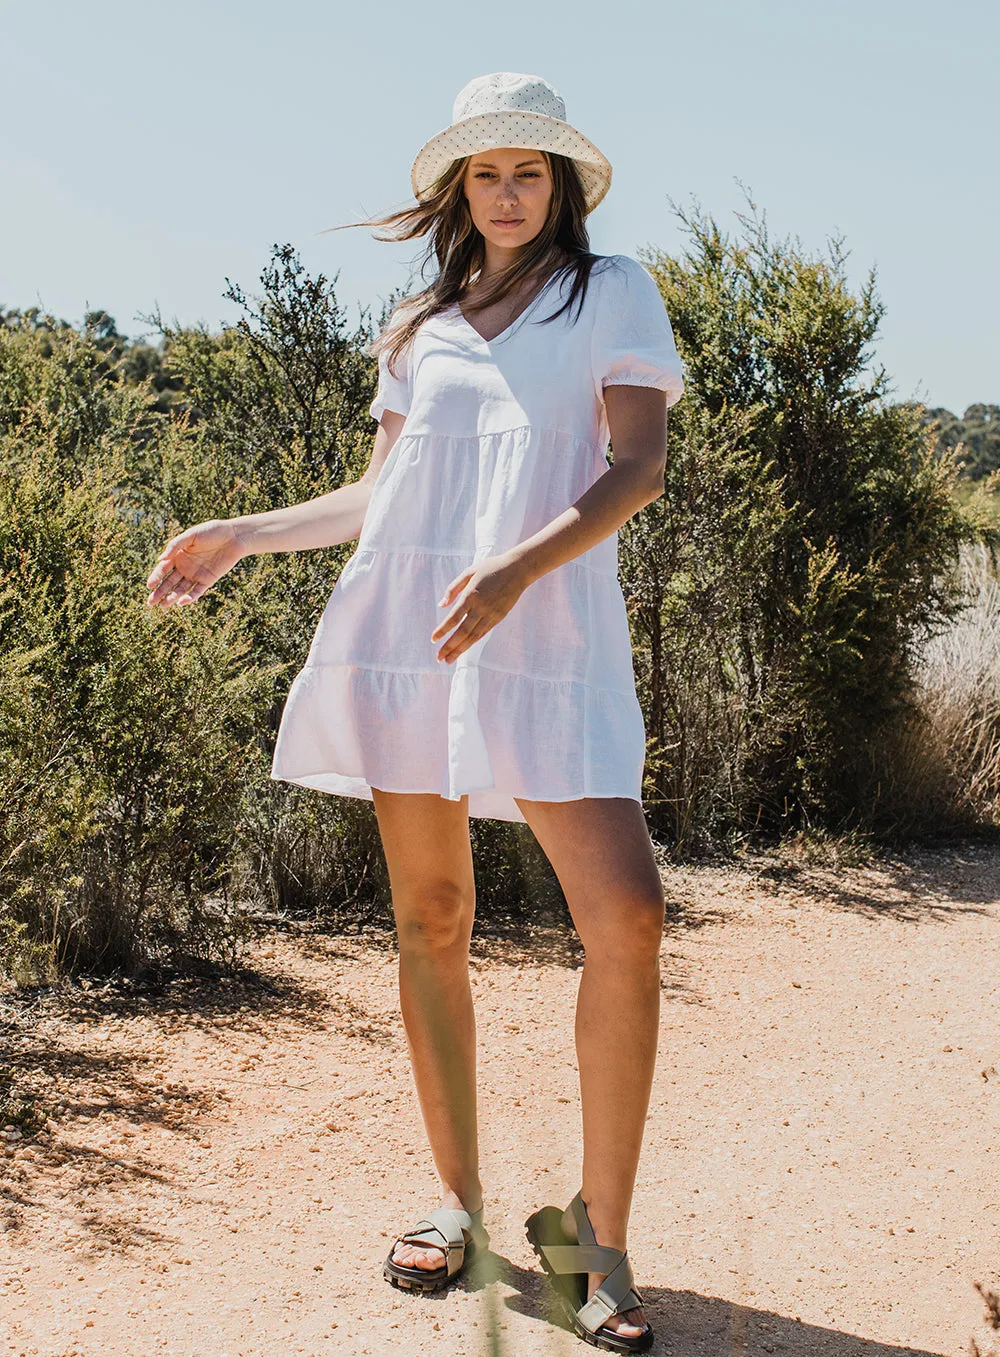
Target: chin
{"type": "Point", "coordinates": [509, 238]}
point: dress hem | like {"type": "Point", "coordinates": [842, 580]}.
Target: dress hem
{"type": "Point", "coordinates": [484, 804]}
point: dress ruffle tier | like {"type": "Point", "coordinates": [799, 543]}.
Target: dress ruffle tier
{"type": "Point", "coordinates": [543, 707]}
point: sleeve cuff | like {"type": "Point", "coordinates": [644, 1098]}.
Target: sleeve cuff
{"type": "Point", "coordinates": [668, 382]}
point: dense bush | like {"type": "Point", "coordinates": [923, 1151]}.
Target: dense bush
{"type": "Point", "coordinates": [121, 733]}
{"type": "Point", "coordinates": [781, 587]}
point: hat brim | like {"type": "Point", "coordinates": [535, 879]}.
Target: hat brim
{"type": "Point", "coordinates": [486, 131]}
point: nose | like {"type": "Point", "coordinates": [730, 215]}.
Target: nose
{"type": "Point", "coordinates": [507, 191]}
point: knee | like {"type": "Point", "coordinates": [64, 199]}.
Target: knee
{"type": "Point", "coordinates": [631, 932]}
{"type": "Point", "coordinates": [435, 919]}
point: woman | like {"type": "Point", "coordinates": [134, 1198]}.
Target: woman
{"type": "Point", "coordinates": [487, 524]}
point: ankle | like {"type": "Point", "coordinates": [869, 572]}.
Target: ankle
{"type": "Point", "coordinates": [471, 1199]}
{"type": "Point", "coordinates": [610, 1228]}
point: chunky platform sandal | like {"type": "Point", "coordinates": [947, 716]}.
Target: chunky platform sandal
{"type": "Point", "coordinates": [567, 1261]}
{"type": "Point", "coordinates": [460, 1236]}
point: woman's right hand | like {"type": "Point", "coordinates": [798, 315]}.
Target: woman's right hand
{"type": "Point", "coordinates": [193, 561]}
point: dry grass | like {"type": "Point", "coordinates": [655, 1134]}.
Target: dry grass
{"type": "Point", "coordinates": [951, 755]}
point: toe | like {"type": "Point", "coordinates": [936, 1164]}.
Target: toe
{"type": "Point", "coordinates": [630, 1324]}
{"type": "Point", "coordinates": [431, 1259]}
{"type": "Point", "coordinates": [408, 1255]}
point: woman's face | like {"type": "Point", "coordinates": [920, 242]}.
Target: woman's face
{"type": "Point", "coordinates": [509, 190]}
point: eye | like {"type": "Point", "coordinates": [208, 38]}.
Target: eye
{"type": "Point", "coordinates": [486, 174]}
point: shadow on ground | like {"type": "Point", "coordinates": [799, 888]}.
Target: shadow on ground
{"type": "Point", "coordinates": [921, 885]}
{"type": "Point", "coordinates": [52, 1053]}
{"type": "Point", "coordinates": [686, 1324]}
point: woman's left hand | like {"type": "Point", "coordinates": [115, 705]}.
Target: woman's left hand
{"type": "Point", "coordinates": [486, 593]}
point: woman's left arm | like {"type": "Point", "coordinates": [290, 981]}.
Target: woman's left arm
{"type": "Point", "coordinates": [637, 423]}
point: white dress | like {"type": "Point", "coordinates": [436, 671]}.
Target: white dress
{"type": "Point", "coordinates": [500, 437]}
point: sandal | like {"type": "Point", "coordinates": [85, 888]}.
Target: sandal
{"type": "Point", "coordinates": [567, 1261]}
{"type": "Point", "coordinates": [444, 1229]}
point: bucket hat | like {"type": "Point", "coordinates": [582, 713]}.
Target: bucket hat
{"type": "Point", "coordinates": [506, 108]}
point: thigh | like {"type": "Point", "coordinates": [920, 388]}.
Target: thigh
{"type": "Point", "coordinates": [602, 855]}
{"type": "Point", "coordinates": [427, 847]}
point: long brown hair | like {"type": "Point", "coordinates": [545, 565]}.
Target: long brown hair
{"type": "Point", "coordinates": [562, 245]}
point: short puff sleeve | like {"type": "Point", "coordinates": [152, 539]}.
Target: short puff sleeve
{"type": "Point", "coordinates": [393, 392]}
{"type": "Point", "coordinates": [633, 341]}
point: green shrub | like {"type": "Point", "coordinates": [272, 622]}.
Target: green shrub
{"type": "Point", "coordinates": [780, 589]}
{"type": "Point", "coordinates": [123, 731]}
{"type": "Point", "coordinates": [136, 810]}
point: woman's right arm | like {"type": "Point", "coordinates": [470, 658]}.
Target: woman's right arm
{"type": "Point", "coordinates": [197, 558]}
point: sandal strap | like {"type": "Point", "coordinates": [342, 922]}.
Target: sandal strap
{"type": "Point", "coordinates": [443, 1229]}
{"type": "Point", "coordinates": [615, 1295]}
{"type": "Point", "coordinates": [617, 1292]}
{"type": "Point", "coordinates": [565, 1258]}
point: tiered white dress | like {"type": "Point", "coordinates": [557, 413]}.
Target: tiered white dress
{"type": "Point", "coordinates": [500, 437]}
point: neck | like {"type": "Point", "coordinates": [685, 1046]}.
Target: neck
{"type": "Point", "coordinates": [498, 259]}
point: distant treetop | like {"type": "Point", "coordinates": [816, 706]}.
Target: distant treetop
{"type": "Point", "coordinates": [978, 431]}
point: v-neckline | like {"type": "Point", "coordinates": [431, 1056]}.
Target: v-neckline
{"type": "Point", "coordinates": [461, 316]}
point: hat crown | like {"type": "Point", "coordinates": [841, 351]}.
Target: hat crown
{"type": "Point", "coordinates": [508, 92]}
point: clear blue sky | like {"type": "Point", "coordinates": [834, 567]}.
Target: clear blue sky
{"type": "Point", "coordinates": [149, 151]}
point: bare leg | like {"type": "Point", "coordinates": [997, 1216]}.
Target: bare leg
{"type": "Point", "coordinates": [600, 850]}
{"type": "Point", "coordinates": [429, 857]}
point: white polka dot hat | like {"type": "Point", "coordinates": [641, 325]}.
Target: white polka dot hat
{"type": "Point", "coordinates": [508, 109]}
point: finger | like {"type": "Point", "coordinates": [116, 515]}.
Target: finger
{"type": "Point", "coordinates": [164, 585]}
{"type": "Point", "coordinates": [457, 583]}
{"type": "Point", "coordinates": [192, 594]}
{"type": "Point", "coordinates": [161, 569]}
{"type": "Point", "coordinates": [174, 597]}
{"type": "Point", "coordinates": [467, 635]}
{"type": "Point", "coordinates": [448, 644]}
{"type": "Point", "coordinates": [452, 653]}
{"type": "Point", "coordinates": [156, 595]}
{"type": "Point", "coordinates": [171, 584]}
{"type": "Point", "coordinates": [167, 554]}
{"type": "Point", "coordinates": [454, 617]}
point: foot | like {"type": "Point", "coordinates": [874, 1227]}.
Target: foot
{"type": "Point", "coordinates": [628, 1323]}
{"type": "Point", "coordinates": [417, 1255]}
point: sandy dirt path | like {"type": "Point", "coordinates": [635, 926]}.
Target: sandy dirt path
{"type": "Point", "coordinates": [821, 1173]}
